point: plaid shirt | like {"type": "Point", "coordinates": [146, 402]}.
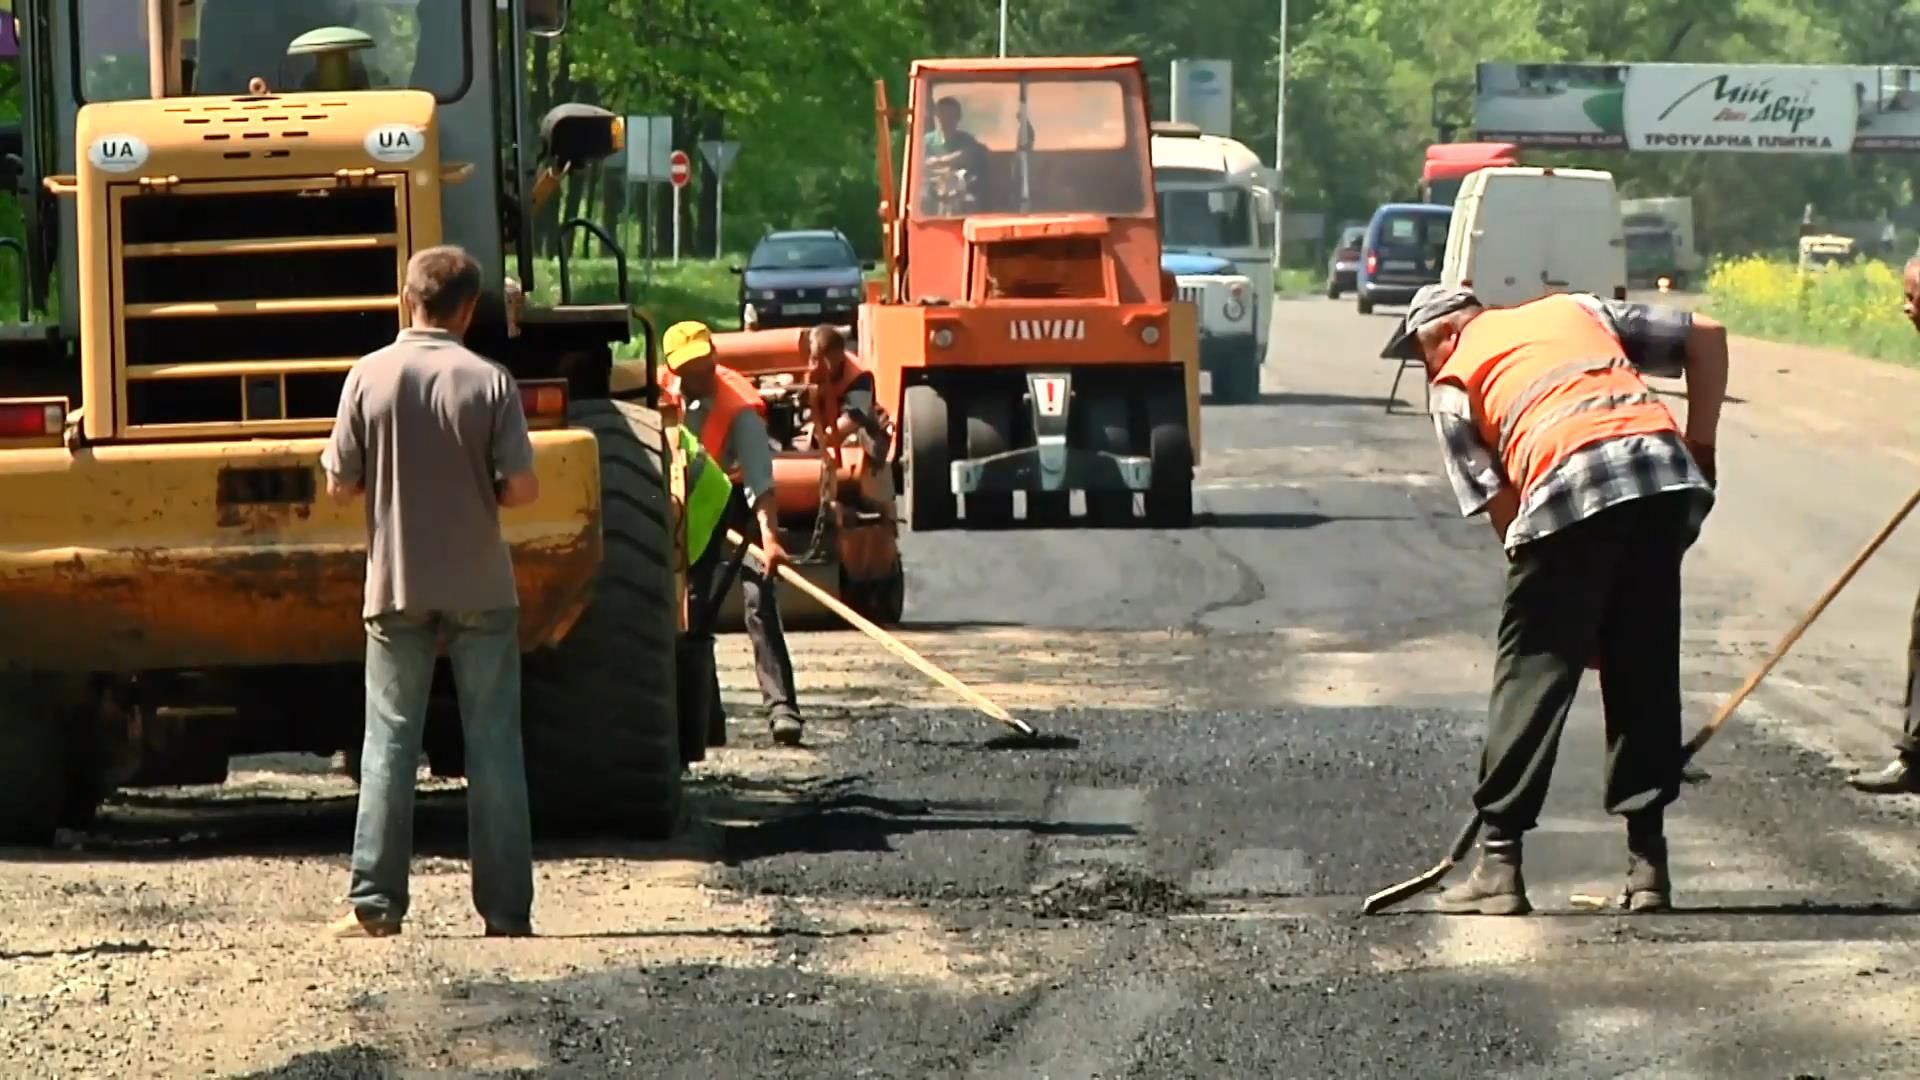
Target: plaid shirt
{"type": "Point", "coordinates": [1599, 476]}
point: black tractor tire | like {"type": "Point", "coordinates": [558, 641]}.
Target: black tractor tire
{"type": "Point", "coordinates": [931, 503]}
{"type": "Point", "coordinates": [1110, 429]}
{"type": "Point", "coordinates": [1362, 304]}
{"type": "Point", "coordinates": [989, 432]}
{"type": "Point", "coordinates": [1170, 499]}
{"type": "Point", "coordinates": [599, 710]}
{"type": "Point", "coordinates": [33, 774]}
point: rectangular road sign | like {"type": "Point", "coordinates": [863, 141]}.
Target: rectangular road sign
{"type": "Point", "coordinates": [649, 146]}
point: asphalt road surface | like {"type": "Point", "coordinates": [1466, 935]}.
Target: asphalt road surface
{"type": "Point", "coordinates": [1248, 726]}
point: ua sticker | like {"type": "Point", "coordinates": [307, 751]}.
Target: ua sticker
{"type": "Point", "coordinates": [396, 142]}
{"type": "Point", "coordinates": [117, 153]}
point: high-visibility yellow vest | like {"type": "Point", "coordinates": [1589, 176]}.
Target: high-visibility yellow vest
{"type": "Point", "coordinates": [708, 490]}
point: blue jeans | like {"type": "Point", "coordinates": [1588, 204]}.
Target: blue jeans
{"type": "Point", "coordinates": [484, 647]}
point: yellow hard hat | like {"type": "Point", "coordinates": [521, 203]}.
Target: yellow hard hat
{"type": "Point", "coordinates": [685, 342]}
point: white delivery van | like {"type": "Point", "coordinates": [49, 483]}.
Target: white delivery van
{"type": "Point", "coordinates": [1519, 233]}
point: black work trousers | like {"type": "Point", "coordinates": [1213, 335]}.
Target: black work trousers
{"type": "Point", "coordinates": [708, 581]}
{"type": "Point", "coordinates": [1606, 586]}
{"type": "Point", "coordinates": [1909, 744]}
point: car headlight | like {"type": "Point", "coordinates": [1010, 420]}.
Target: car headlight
{"type": "Point", "coordinates": [843, 292]}
{"type": "Point", "coordinates": [760, 294]}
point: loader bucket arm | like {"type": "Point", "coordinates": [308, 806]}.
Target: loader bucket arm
{"type": "Point", "coordinates": [890, 211]}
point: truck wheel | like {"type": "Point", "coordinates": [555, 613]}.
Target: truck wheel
{"type": "Point", "coordinates": [989, 428]}
{"type": "Point", "coordinates": [1109, 429]}
{"type": "Point", "coordinates": [1170, 499]}
{"type": "Point", "coordinates": [931, 504]}
{"type": "Point", "coordinates": [1333, 289]}
{"type": "Point", "coordinates": [33, 777]}
{"type": "Point", "coordinates": [600, 722]}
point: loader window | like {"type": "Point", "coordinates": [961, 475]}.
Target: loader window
{"type": "Point", "coordinates": [422, 44]}
{"type": "Point", "coordinates": [1082, 147]}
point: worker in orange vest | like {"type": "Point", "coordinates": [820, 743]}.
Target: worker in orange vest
{"type": "Point", "coordinates": [724, 410]}
{"type": "Point", "coordinates": [843, 397]}
{"type": "Point", "coordinates": [1547, 426]}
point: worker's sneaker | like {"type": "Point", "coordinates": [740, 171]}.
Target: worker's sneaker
{"type": "Point", "coordinates": [1496, 887]}
{"type": "Point", "coordinates": [787, 727]}
{"type": "Point", "coordinates": [1648, 886]}
{"type": "Point", "coordinates": [1901, 777]}
{"type": "Point", "coordinates": [355, 925]}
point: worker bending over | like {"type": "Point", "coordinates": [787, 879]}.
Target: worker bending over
{"type": "Point", "coordinates": [723, 409]}
{"type": "Point", "coordinates": [842, 402]}
{"type": "Point", "coordinates": [1546, 425]}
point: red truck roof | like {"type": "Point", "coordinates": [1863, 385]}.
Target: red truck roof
{"type": "Point", "coordinates": [1446, 161]}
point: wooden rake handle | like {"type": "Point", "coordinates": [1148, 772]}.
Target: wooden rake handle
{"type": "Point", "coordinates": [892, 644]}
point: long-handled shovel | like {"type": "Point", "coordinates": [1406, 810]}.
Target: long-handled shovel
{"type": "Point", "coordinates": [1414, 886]}
{"type": "Point", "coordinates": [892, 644]}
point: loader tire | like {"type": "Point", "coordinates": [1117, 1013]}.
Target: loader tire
{"type": "Point", "coordinates": [33, 778]}
{"type": "Point", "coordinates": [600, 717]}
{"type": "Point", "coordinates": [989, 424]}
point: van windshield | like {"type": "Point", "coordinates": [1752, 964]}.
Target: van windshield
{"type": "Point", "coordinates": [224, 44]}
{"type": "Point", "coordinates": [1413, 234]}
{"type": "Point", "coordinates": [1205, 218]}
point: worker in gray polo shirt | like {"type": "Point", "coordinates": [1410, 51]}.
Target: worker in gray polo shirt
{"type": "Point", "coordinates": [436, 439]}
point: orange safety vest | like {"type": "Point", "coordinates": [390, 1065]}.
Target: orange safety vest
{"type": "Point", "coordinates": [828, 396]}
{"type": "Point", "coordinates": [1547, 379]}
{"type": "Point", "coordinates": [732, 392]}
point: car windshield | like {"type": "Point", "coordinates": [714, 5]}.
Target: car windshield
{"type": "Point", "coordinates": [225, 44]}
{"type": "Point", "coordinates": [801, 253]}
{"type": "Point", "coordinates": [1216, 218]}
{"type": "Point", "coordinates": [1059, 143]}
{"type": "Point", "coordinates": [1353, 237]}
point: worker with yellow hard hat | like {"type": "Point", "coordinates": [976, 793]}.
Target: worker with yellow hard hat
{"type": "Point", "coordinates": [722, 410]}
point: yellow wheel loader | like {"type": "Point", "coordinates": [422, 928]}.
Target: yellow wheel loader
{"type": "Point", "coordinates": [223, 196]}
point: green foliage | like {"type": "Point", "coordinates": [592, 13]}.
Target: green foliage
{"type": "Point", "coordinates": [1854, 308]}
{"type": "Point", "coordinates": [694, 289]}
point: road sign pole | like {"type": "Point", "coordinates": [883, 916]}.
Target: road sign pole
{"type": "Point", "coordinates": [676, 224]}
{"type": "Point", "coordinates": [719, 214]}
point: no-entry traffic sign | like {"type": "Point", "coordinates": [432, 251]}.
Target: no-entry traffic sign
{"type": "Point", "coordinates": [679, 169]}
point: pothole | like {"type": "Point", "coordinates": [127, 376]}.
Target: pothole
{"type": "Point", "coordinates": [1094, 894]}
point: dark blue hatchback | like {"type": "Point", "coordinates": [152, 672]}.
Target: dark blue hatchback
{"type": "Point", "coordinates": [1405, 246]}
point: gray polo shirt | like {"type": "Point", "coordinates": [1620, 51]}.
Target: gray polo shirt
{"type": "Point", "coordinates": [429, 428]}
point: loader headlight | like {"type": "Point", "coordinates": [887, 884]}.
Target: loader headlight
{"type": "Point", "coordinates": [942, 338]}
{"type": "Point", "coordinates": [1234, 309]}
{"type": "Point", "coordinates": [1150, 335]}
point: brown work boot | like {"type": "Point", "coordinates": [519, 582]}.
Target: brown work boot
{"type": "Point", "coordinates": [787, 727]}
{"type": "Point", "coordinates": [355, 925]}
{"type": "Point", "coordinates": [1900, 777]}
{"type": "Point", "coordinates": [1648, 884]}
{"type": "Point", "coordinates": [1496, 887]}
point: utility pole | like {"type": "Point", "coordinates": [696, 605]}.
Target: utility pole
{"type": "Point", "coordinates": [1003, 29]}
{"type": "Point", "coordinates": [1280, 145]}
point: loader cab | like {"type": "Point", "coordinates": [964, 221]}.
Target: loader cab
{"type": "Point", "coordinates": [1030, 179]}
{"type": "Point", "coordinates": [246, 90]}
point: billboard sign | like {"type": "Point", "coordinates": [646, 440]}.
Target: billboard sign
{"type": "Point", "coordinates": [1203, 95]}
{"type": "Point", "coordinates": [1738, 108]}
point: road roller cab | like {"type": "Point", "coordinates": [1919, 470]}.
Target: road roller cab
{"type": "Point", "coordinates": [1025, 333]}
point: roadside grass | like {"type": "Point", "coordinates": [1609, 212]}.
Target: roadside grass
{"type": "Point", "coordinates": [1854, 308]}
{"type": "Point", "coordinates": [1299, 281]}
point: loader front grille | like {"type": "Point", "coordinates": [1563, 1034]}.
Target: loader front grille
{"type": "Point", "coordinates": [246, 302]}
